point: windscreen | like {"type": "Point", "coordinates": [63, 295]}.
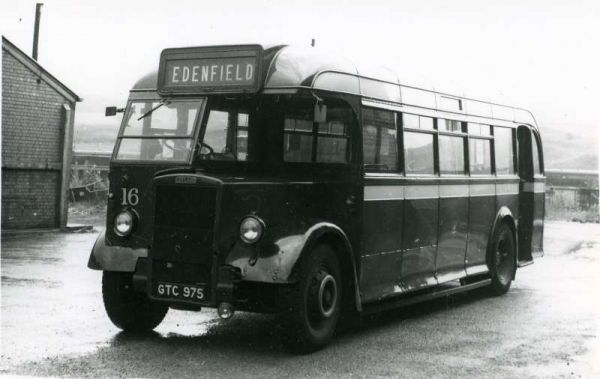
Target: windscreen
{"type": "Point", "coordinates": [158, 130]}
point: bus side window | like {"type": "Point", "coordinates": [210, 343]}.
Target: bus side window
{"type": "Point", "coordinates": [479, 156]}
{"type": "Point", "coordinates": [242, 136]}
{"type": "Point", "coordinates": [380, 145]}
{"type": "Point", "coordinates": [418, 152]}
{"type": "Point", "coordinates": [333, 135]}
{"type": "Point", "coordinates": [504, 154]}
{"type": "Point", "coordinates": [537, 169]}
{"type": "Point", "coordinates": [297, 138]}
{"type": "Point", "coordinates": [452, 155]}
{"type": "Point", "coordinates": [480, 149]}
{"type": "Point", "coordinates": [333, 138]}
{"type": "Point", "coordinates": [418, 144]}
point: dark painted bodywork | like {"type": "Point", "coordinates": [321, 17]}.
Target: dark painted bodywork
{"type": "Point", "coordinates": [188, 219]}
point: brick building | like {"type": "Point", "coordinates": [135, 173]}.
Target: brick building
{"type": "Point", "coordinates": [37, 136]}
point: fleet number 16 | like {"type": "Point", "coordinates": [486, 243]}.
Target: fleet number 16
{"type": "Point", "coordinates": [130, 197]}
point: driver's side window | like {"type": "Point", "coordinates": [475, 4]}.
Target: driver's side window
{"type": "Point", "coordinates": [227, 134]}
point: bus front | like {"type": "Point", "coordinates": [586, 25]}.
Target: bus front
{"type": "Point", "coordinates": [217, 189]}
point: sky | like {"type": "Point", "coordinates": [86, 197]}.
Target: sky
{"type": "Point", "coordinates": [541, 55]}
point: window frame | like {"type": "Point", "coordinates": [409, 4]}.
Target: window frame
{"type": "Point", "coordinates": [197, 128]}
{"type": "Point", "coordinates": [314, 133]}
{"type": "Point", "coordinates": [464, 137]}
{"type": "Point", "coordinates": [433, 132]}
{"type": "Point", "coordinates": [397, 127]}
{"type": "Point", "coordinates": [486, 137]}
{"type": "Point", "coordinates": [513, 144]}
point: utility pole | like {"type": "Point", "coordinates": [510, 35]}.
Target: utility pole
{"type": "Point", "coordinates": [36, 30]}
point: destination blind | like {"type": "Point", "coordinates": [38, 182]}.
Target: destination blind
{"type": "Point", "coordinates": [211, 72]}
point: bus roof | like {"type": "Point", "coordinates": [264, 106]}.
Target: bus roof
{"type": "Point", "coordinates": [287, 69]}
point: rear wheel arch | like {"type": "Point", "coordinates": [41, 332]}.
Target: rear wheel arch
{"type": "Point", "coordinates": [503, 217]}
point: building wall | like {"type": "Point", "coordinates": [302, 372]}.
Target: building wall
{"type": "Point", "coordinates": [29, 198]}
{"type": "Point", "coordinates": [33, 120]}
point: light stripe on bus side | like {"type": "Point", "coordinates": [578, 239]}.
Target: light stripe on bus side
{"type": "Point", "coordinates": [535, 187]}
{"type": "Point", "coordinates": [433, 191]}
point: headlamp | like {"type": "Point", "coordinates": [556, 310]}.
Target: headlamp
{"type": "Point", "coordinates": [123, 224]}
{"type": "Point", "coordinates": [251, 229]}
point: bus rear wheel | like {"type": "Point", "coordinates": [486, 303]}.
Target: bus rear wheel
{"type": "Point", "coordinates": [313, 304]}
{"type": "Point", "coordinates": [501, 260]}
{"type": "Point", "coordinates": [129, 310]}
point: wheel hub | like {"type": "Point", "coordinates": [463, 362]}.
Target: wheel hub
{"type": "Point", "coordinates": [327, 296]}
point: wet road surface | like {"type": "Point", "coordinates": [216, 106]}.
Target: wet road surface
{"type": "Point", "coordinates": [53, 324]}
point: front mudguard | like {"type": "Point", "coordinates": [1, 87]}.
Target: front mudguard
{"type": "Point", "coordinates": [114, 258]}
{"type": "Point", "coordinates": [276, 263]}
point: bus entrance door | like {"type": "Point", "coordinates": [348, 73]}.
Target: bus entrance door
{"type": "Point", "coordinates": [531, 197]}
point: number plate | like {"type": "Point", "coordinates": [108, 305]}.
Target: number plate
{"type": "Point", "coordinates": [180, 291]}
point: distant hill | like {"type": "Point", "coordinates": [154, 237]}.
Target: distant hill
{"type": "Point", "coordinates": [566, 149]}
{"type": "Point", "coordinates": [563, 149]}
{"type": "Point", "coordinates": [94, 138]}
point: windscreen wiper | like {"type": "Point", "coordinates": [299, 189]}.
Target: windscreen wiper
{"type": "Point", "coordinates": [153, 109]}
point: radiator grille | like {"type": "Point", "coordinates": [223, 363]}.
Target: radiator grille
{"type": "Point", "coordinates": [184, 221]}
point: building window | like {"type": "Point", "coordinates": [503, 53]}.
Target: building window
{"type": "Point", "coordinates": [452, 155]}
{"type": "Point", "coordinates": [380, 145]}
{"type": "Point", "coordinates": [418, 150]}
{"type": "Point", "coordinates": [504, 153]}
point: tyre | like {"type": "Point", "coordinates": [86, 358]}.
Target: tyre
{"type": "Point", "coordinates": [313, 304]}
{"type": "Point", "coordinates": [501, 260]}
{"type": "Point", "coordinates": [129, 310]}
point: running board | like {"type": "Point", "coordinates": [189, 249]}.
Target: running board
{"type": "Point", "coordinates": [403, 301]}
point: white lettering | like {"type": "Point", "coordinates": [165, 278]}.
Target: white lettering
{"type": "Point", "coordinates": [175, 73]}
{"type": "Point", "coordinates": [221, 76]}
{"type": "Point", "coordinates": [175, 291]}
{"type": "Point", "coordinates": [213, 72]}
{"type": "Point", "coordinates": [228, 72]}
{"type": "Point", "coordinates": [161, 289]}
{"type": "Point", "coordinates": [237, 72]}
{"type": "Point", "coordinates": [204, 73]}
{"type": "Point", "coordinates": [195, 73]}
{"type": "Point", "coordinates": [185, 74]}
{"type": "Point", "coordinates": [249, 71]}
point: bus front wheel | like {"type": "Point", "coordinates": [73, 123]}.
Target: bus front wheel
{"type": "Point", "coordinates": [501, 260]}
{"type": "Point", "coordinates": [129, 310]}
{"type": "Point", "coordinates": [312, 305]}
